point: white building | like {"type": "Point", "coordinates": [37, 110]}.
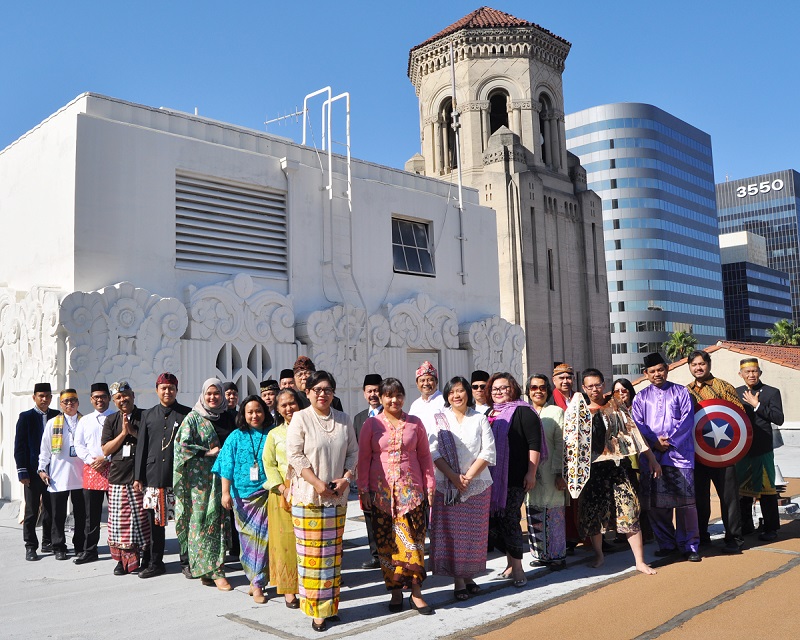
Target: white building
{"type": "Point", "coordinates": [147, 240]}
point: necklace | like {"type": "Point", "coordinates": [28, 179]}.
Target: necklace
{"type": "Point", "coordinates": [325, 423]}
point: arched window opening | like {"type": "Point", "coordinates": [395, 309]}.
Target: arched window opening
{"type": "Point", "coordinates": [447, 149]}
{"type": "Point", "coordinates": [545, 111]}
{"type": "Point", "coordinates": [498, 111]}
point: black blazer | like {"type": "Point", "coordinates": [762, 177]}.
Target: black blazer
{"type": "Point", "coordinates": [359, 419]}
{"type": "Point", "coordinates": [28, 441]}
{"type": "Point", "coordinates": [770, 411]}
{"type": "Point", "coordinates": [155, 449]}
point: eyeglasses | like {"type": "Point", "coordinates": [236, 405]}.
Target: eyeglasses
{"type": "Point", "coordinates": [594, 386]}
{"type": "Point", "coordinates": [496, 390]}
{"type": "Point", "coordinates": [102, 397]}
{"type": "Point", "coordinates": [69, 401]}
{"type": "Point", "coordinates": [321, 391]}
{"type": "Point", "coordinates": [478, 387]}
{"type": "Point", "coordinates": [538, 387]}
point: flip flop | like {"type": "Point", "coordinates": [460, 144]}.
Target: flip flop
{"type": "Point", "coordinates": [473, 588]}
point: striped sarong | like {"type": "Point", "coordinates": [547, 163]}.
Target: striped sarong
{"type": "Point", "coordinates": [282, 547]}
{"type": "Point", "coordinates": [128, 526]}
{"type": "Point", "coordinates": [251, 521]}
{"type": "Point", "coordinates": [757, 475]}
{"type": "Point", "coordinates": [319, 532]}
{"type": "Point", "coordinates": [458, 536]}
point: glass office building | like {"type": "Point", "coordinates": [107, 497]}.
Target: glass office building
{"type": "Point", "coordinates": [767, 205]}
{"type": "Point", "coordinates": [655, 175]}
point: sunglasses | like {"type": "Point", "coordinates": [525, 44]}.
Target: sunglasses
{"type": "Point", "coordinates": [478, 387]}
{"type": "Point", "coordinates": [538, 387]}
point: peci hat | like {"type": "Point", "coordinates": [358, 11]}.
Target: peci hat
{"type": "Point", "coordinates": [99, 386]}
{"type": "Point", "coordinates": [372, 379]}
{"type": "Point", "coordinates": [42, 387]}
{"type": "Point", "coordinates": [286, 373]}
{"type": "Point", "coordinates": [479, 376]}
{"type": "Point", "coordinates": [653, 359]}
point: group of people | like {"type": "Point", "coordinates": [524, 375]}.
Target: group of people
{"type": "Point", "coordinates": [457, 466]}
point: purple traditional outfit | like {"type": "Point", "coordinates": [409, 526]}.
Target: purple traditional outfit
{"type": "Point", "coordinates": [668, 411]}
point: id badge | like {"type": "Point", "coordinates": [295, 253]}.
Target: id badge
{"type": "Point", "coordinates": [126, 451]}
{"type": "Point", "coordinates": [72, 452]}
{"type": "Point", "coordinates": [254, 473]}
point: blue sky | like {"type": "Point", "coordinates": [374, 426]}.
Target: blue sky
{"type": "Point", "coordinates": [730, 67]}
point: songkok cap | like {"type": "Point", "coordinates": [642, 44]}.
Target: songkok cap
{"type": "Point", "coordinates": [653, 359]}
{"type": "Point", "coordinates": [562, 368]}
{"type": "Point", "coordinates": [286, 373]}
{"type": "Point", "coordinates": [304, 363]}
{"type": "Point", "coordinates": [269, 384]}
{"type": "Point", "coordinates": [480, 376]}
{"type": "Point", "coordinates": [427, 369]}
{"type": "Point", "coordinates": [748, 362]}
{"type": "Point", "coordinates": [121, 387]}
{"type": "Point", "coordinates": [42, 387]}
{"type": "Point", "coordinates": [372, 378]}
{"type": "Point", "coordinates": [227, 386]}
{"type": "Point", "coordinates": [99, 386]}
{"type": "Point", "coordinates": [167, 378]}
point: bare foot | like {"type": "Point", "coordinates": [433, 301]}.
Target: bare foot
{"type": "Point", "coordinates": [599, 561]}
{"type": "Point", "coordinates": [645, 569]}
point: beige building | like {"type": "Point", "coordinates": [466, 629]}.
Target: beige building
{"type": "Point", "coordinates": [509, 103]}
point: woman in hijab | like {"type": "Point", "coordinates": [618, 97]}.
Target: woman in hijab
{"type": "Point", "coordinates": [201, 523]}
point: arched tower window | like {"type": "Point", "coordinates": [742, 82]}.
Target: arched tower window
{"type": "Point", "coordinates": [545, 113]}
{"type": "Point", "coordinates": [448, 136]}
{"type": "Point", "coordinates": [498, 111]}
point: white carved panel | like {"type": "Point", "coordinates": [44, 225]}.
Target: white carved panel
{"type": "Point", "coordinates": [495, 345]}
{"type": "Point", "coordinates": [419, 323]}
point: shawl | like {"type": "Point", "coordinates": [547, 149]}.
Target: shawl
{"type": "Point", "coordinates": [621, 437]}
{"type": "Point", "coordinates": [447, 446]}
{"type": "Point", "coordinates": [57, 438]}
{"type": "Point", "coordinates": [210, 413]}
{"type": "Point", "coordinates": [500, 426]}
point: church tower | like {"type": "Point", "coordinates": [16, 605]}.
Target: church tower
{"type": "Point", "coordinates": [510, 106]}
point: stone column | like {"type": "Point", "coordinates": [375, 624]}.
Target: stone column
{"type": "Point", "coordinates": [447, 165]}
{"type": "Point", "coordinates": [438, 160]}
{"type": "Point", "coordinates": [485, 124]}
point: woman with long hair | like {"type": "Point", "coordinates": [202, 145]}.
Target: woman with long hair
{"type": "Point", "coordinates": [240, 467]}
{"type": "Point", "coordinates": [322, 450]}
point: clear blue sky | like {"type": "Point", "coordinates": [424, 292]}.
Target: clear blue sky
{"type": "Point", "coordinates": [730, 67]}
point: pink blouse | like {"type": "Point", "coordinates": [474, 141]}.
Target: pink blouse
{"type": "Point", "coordinates": [396, 463]}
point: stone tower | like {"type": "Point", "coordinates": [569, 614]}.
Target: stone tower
{"type": "Point", "coordinates": [513, 150]}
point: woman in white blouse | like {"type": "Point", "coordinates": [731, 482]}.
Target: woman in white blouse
{"type": "Point", "coordinates": [462, 448]}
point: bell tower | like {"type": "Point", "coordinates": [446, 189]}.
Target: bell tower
{"type": "Point", "coordinates": [510, 101]}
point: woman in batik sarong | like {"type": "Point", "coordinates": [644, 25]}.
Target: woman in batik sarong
{"type": "Point", "coordinates": [545, 503]}
{"type": "Point", "coordinates": [322, 450]}
{"type": "Point", "coordinates": [241, 469]}
{"type": "Point", "coordinates": [519, 446]}
{"type": "Point", "coordinates": [201, 524]}
{"type": "Point", "coordinates": [282, 543]}
{"type": "Point", "coordinates": [462, 449]}
{"type": "Point", "coordinates": [397, 485]}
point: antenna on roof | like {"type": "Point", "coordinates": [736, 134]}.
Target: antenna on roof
{"type": "Point", "coordinates": [281, 120]}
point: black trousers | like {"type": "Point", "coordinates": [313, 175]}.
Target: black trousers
{"type": "Point", "coordinates": [59, 503]}
{"type": "Point", "coordinates": [33, 498]}
{"type": "Point", "coordinates": [769, 511]}
{"type": "Point", "coordinates": [727, 486]}
{"type": "Point", "coordinates": [93, 505]}
{"type": "Point", "coordinates": [157, 538]}
{"type": "Point", "coordinates": [373, 545]}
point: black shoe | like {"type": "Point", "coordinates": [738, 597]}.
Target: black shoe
{"type": "Point", "coordinates": [427, 610]}
{"type": "Point", "coordinates": [322, 626]}
{"type": "Point", "coordinates": [152, 570]}
{"type": "Point", "coordinates": [663, 553]}
{"type": "Point", "coordinates": [47, 547]}
{"type": "Point", "coordinates": [705, 539]}
{"type": "Point", "coordinates": [31, 555]}
{"type": "Point", "coordinates": [692, 556]}
{"type": "Point", "coordinates": [187, 572]}
{"type": "Point", "coordinates": [61, 555]}
{"type": "Point", "coordinates": [86, 556]}
{"type": "Point", "coordinates": [120, 570]}
{"type": "Point", "coordinates": [371, 564]}
{"type": "Point", "coordinates": [731, 548]}
{"type": "Point", "coordinates": [768, 536]}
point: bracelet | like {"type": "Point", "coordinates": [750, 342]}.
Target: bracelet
{"type": "Point", "coordinates": [346, 479]}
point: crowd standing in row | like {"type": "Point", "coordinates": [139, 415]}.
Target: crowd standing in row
{"type": "Point", "coordinates": [278, 469]}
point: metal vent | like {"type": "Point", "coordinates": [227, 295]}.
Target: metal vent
{"type": "Point", "coordinates": [230, 228]}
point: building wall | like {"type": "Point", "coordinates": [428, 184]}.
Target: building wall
{"type": "Point", "coordinates": [756, 297]}
{"type": "Point", "coordinates": [655, 176]}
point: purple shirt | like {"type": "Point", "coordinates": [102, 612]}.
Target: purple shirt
{"type": "Point", "coordinates": [667, 411]}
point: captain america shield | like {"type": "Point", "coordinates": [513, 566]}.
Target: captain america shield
{"type": "Point", "coordinates": [722, 433]}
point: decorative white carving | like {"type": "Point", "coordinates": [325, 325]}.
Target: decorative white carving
{"type": "Point", "coordinates": [121, 332]}
{"type": "Point", "coordinates": [28, 338]}
{"type": "Point", "coordinates": [337, 339]}
{"type": "Point", "coordinates": [496, 345]}
{"type": "Point", "coordinates": [418, 323]}
{"type": "Point", "coordinates": [235, 310]}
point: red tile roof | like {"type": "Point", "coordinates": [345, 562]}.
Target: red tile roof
{"type": "Point", "coordinates": [486, 18]}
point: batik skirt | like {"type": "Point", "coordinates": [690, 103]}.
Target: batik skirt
{"type": "Point", "coordinates": [162, 501]}
{"type": "Point", "coordinates": [251, 522]}
{"type": "Point", "coordinates": [608, 501]}
{"type": "Point", "coordinates": [282, 547]}
{"type": "Point", "coordinates": [128, 525]}
{"type": "Point", "coordinates": [505, 532]}
{"type": "Point", "coordinates": [757, 475]}
{"type": "Point", "coordinates": [401, 546]}
{"type": "Point", "coordinates": [458, 532]}
{"type": "Point", "coordinates": [547, 533]}
{"type": "Point", "coordinates": [319, 532]}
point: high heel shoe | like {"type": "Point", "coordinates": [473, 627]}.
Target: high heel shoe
{"type": "Point", "coordinates": [222, 584]}
{"type": "Point", "coordinates": [427, 610]}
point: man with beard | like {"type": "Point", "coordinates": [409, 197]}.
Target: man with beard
{"type": "Point", "coordinates": [154, 457]}
{"type": "Point", "coordinates": [563, 379]}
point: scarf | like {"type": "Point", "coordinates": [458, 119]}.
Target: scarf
{"type": "Point", "coordinates": [57, 439]}
{"type": "Point", "coordinates": [210, 413]}
{"type": "Point", "coordinates": [447, 447]}
{"type": "Point", "coordinates": [500, 426]}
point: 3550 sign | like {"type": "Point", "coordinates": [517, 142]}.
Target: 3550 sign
{"type": "Point", "coordinates": [762, 187]}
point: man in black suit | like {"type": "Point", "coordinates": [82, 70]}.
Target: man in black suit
{"type": "Point", "coordinates": [756, 472]}
{"type": "Point", "coordinates": [371, 386]}
{"type": "Point", "coordinates": [27, 443]}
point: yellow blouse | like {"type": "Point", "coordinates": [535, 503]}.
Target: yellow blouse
{"type": "Point", "coordinates": [276, 464]}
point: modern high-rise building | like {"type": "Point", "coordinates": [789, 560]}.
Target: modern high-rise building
{"type": "Point", "coordinates": [655, 175]}
{"type": "Point", "coordinates": [756, 296]}
{"type": "Point", "coordinates": [767, 205]}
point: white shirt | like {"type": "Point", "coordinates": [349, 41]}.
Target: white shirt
{"type": "Point", "coordinates": [474, 439]}
{"type": "Point", "coordinates": [481, 408]}
{"type": "Point", "coordinates": [65, 471]}
{"type": "Point", "coordinates": [425, 410]}
{"type": "Point", "coordinates": [88, 434]}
